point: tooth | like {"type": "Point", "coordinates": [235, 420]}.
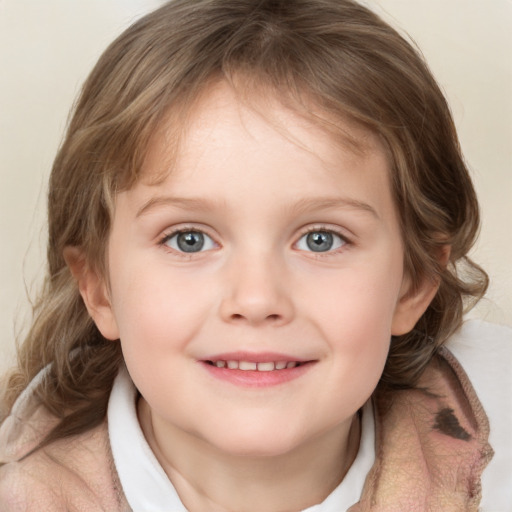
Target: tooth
{"type": "Point", "coordinates": [281, 365]}
{"type": "Point", "coordinates": [233, 365]}
{"type": "Point", "coordinates": [265, 367]}
{"type": "Point", "coordinates": [246, 365]}
{"type": "Point", "coordinates": [291, 364]}
{"type": "Point", "coordinates": [220, 364]}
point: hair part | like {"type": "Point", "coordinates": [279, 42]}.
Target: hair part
{"type": "Point", "coordinates": [334, 54]}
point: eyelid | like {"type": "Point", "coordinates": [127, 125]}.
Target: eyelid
{"type": "Point", "coordinates": [336, 231]}
{"type": "Point", "coordinates": [327, 229]}
{"type": "Point", "coordinates": [172, 232]}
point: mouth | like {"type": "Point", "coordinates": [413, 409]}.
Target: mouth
{"type": "Point", "coordinates": [263, 366]}
{"type": "Point", "coordinates": [256, 370]}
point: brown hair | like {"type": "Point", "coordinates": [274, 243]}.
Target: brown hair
{"type": "Point", "coordinates": [336, 53]}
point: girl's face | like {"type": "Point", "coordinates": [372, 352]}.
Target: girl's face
{"type": "Point", "coordinates": [255, 289]}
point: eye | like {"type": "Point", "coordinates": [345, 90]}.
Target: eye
{"type": "Point", "coordinates": [189, 241]}
{"type": "Point", "coordinates": [320, 241]}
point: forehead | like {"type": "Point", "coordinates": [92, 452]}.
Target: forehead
{"type": "Point", "coordinates": [239, 152]}
{"type": "Point", "coordinates": [298, 120]}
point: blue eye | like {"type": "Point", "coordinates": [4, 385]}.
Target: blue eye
{"type": "Point", "coordinates": [320, 241]}
{"type": "Point", "coordinates": [189, 241]}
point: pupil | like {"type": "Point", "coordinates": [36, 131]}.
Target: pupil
{"type": "Point", "coordinates": [191, 241]}
{"type": "Point", "coordinates": [319, 241]}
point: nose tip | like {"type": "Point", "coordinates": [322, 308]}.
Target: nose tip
{"type": "Point", "coordinates": [256, 299]}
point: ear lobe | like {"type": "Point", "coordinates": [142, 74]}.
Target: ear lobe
{"type": "Point", "coordinates": [94, 292]}
{"type": "Point", "coordinates": [413, 303]}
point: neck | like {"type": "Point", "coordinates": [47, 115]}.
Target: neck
{"type": "Point", "coordinates": [206, 478]}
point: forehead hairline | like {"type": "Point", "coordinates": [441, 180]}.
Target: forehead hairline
{"type": "Point", "coordinates": [341, 128]}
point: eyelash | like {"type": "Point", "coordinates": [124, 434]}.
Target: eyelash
{"type": "Point", "coordinates": [169, 235]}
{"type": "Point", "coordinates": [314, 229]}
{"type": "Point", "coordinates": [324, 229]}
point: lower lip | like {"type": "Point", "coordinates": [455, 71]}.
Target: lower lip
{"type": "Point", "coordinates": [256, 379]}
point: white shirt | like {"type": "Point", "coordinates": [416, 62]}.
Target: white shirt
{"type": "Point", "coordinates": [485, 352]}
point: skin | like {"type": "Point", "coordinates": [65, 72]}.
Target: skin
{"type": "Point", "coordinates": [255, 189]}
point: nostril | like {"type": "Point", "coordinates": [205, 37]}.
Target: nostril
{"type": "Point", "coordinates": [273, 318]}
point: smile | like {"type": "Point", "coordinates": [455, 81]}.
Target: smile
{"type": "Point", "coordinates": [267, 366]}
{"type": "Point", "coordinates": [256, 370]}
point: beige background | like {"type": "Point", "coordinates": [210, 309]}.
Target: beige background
{"type": "Point", "coordinates": [47, 48]}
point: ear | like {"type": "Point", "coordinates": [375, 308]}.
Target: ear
{"type": "Point", "coordinates": [414, 302]}
{"type": "Point", "coordinates": [94, 292]}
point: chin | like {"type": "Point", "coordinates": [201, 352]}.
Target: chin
{"type": "Point", "coordinates": [255, 444]}
{"type": "Point", "coordinates": [257, 450]}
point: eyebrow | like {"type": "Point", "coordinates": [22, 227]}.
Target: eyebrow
{"type": "Point", "coordinates": [306, 205]}
{"type": "Point", "coordinates": [189, 203]}
{"type": "Point", "coordinates": [302, 206]}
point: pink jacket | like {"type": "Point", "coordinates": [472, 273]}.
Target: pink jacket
{"type": "Point", "coordinates": [431, 447]}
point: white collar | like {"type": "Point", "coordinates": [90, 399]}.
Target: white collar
{"type": "Point", "coordinates": [147, 487]}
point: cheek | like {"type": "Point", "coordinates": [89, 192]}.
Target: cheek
{"type": "Point", "coordinates": [355, 317]}
{"type": "Point", "coordinates": [156, 324]}
{"type": "Point", "coordinates": [359, 303]}
{"type": "Point", "coordinates": [359, 332]}
{"type": "Point", "coordinates": [359, 344]}
{"type": "Point", "coordinates": [158, 311]}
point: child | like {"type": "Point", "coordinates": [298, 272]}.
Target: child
{"type": "Point", "coordinates": [259, 223]}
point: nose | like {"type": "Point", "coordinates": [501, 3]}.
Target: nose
{"type": "Point", "coordinates": [256, 293]}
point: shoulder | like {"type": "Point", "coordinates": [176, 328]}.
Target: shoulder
{"type": "Point", "coordinates": [484, 350]}
{"type": "Point", "coordinates": [39, 483]}
{"type": "Point", "coordinates": [70, 475]}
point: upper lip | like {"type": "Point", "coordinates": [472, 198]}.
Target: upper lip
{"type": "Point", "coordinates": [255, 357]}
